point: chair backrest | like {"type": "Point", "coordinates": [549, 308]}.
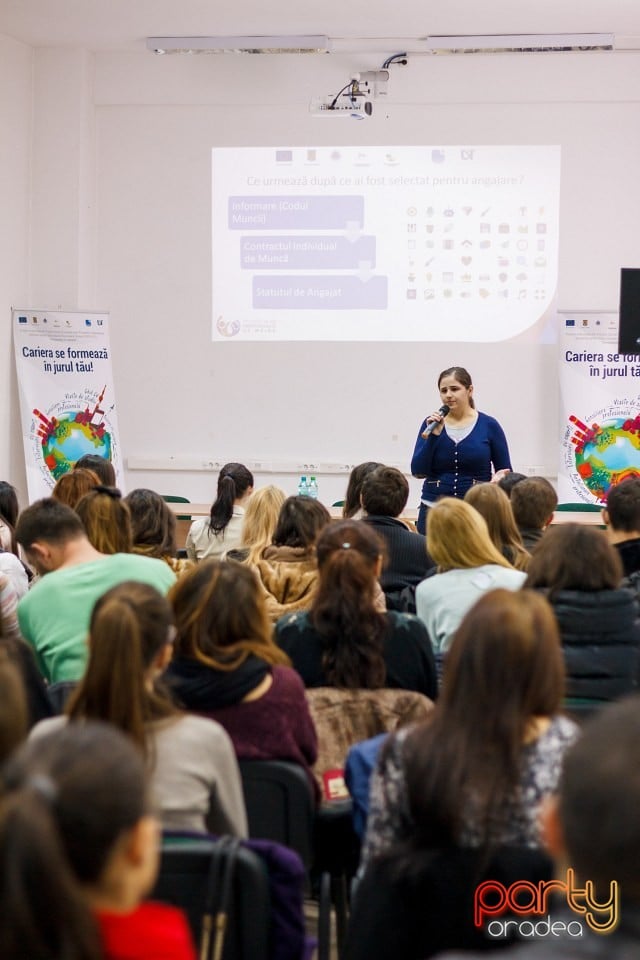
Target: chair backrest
{"type": "Point", "coordinates": [280, 804]}
{"type": "Point", "coordinates": [183, 881]}
{"type": "Point", "coordinates": [170, 498]}
{"type": "Point", "coordinates": [345, 717]}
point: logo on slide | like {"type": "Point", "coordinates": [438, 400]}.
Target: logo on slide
{"type": "Point", "coordinates": [227, 328]}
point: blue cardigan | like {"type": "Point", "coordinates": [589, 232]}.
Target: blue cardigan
{"type": "Point", "coordinates": [451, 468]}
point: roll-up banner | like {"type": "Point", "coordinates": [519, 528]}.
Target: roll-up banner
{"type": "Point", "coordinates": [599, 408]}
{"type": "Point", "coordinates": [67, 400]}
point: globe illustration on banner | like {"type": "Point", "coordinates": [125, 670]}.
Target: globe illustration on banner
{"type": "Point", "coordinates": [71, 435]}
{"type": "Point", "coordinates": [607, 453]}
{"type": "Point", "coordinates": [71, 440]}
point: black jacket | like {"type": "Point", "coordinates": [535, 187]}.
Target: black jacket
{"type": "Point", "coordinates": [407, 562]}
{"type": "Point", "coordinates": [600, 640]}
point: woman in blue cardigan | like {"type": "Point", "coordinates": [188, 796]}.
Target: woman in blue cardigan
{"type": "Point", "coordinates": [456, 446]}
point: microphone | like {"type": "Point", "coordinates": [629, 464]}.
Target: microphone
{"type": "Point", "coordinates": [444, 410]}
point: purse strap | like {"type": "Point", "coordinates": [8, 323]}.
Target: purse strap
{"type": "Point", "coordinates": [218, 896]}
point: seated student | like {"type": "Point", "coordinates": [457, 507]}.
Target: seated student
{"type": "Point", "coordinates": [352, 506]}
{"type": "Point", "coordinates": [21, 655]}
{"type": "Point", "coordinates": [153, 529]}
{"type": "Point", "coordinates": [8, 517]}
{"type": "Point", "coordinates": [194, 773]}
{"type": "Point", "coordinates": [384, 496]}
{"type": "Point", "coordinates": [493, 504]}
{"type": "Point", "coordinates": [226, 666]}
{"type": "Point", "coordinates": [210, 537]}
{"type": "Point", "coordinates": [580, 573]}
{"type": "Point", "coordinates": [14, 709]}
{"type": "Point", "coordinates": [509, 480]}
{"type": "Point", "coordinates": [106, 518]}
{"type": "Point", "coordinates": [593, 826]}
{"type": "Point", "coordinates": [287, 569]}
{"type": "Point", "coordinates": [100, 465]}
{"type": "Point", "coordinates": [79, 852]}
{"type": "Point", "coordinates": [622, 517]}
{"type": "Point", "coordinates": [54, 615]}
{"type": "Point", "coordinates": [533, 502]}
{"type": "Point", "coordinates": [343, 640]}
{"type": "Point", "coordinates": [260, 520]}
{"type": "Point", "coordinates": [72, 486]}
{"type": "Point", "coordinates": [462, 793]}
{"type": "Point", "coordinates": [469, 565]}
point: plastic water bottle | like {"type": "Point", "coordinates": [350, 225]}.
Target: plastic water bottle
{"type": "Point", "coordinates": [312, 488]}
{"type": "Point", "coordinates": [303, 487]}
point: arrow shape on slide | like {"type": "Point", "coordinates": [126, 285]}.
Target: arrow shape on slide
{"type": "Point", "coordinates": [352, 230]}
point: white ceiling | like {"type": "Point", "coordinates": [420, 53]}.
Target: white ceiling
{"type": "Point", "coordinates": [124, 24]}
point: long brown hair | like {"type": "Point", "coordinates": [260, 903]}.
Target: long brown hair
{"type": "Point", "coordinates": [72, 486]}
{"type": "Point", "coordinates": [66, 799]}
{"type": "Point", "coordinates": [493, 504]}
{"type": "Point", "coordinates": [458, 537]}
{"type": "Point", "coordinates": [221, 617]}
{"type": "Point", "coordinates": [106, 519]}
{"type": "Point", "coordinates": [153, 524]}
{"type": "Point", "coordinates": [343, 610]}
{"type": "Point", "coordinates": [504, 669]}
{"type": "Point", "coordinates": [574, 556]}
{"type": "Point", "coordinates": [130, 625]}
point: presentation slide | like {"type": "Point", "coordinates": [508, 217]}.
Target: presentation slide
{"type": "Point", "coordinates": [444, 243]}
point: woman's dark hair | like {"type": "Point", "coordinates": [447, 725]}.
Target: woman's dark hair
{"type": "Point", "coordinates": [153, 524]}
{"type": "Point", "coordinates": [106, 520]}
{"type": "Point", "coordinates": [354, 487]}
{"type": "Point", "coordinates": [9, 511]}
{"type": "Point", "coordinates": [574, 556]}
{"type": "Point", "coordinates": [221, 617]}
{"type": "Point", "coordinates": [462, 376]}
{"type": "Point", "coordinates": [100, 465]}
{"type": "Point", "coordinates": [14, 711]}
{"type": "Point", "coordinates": [504, 669]}
{"type": "Point", "coordinates": [301, 520]}
{"type": "Point", "coordinates": [233, 482]}
{"type": "Point", "coordinates": [343, 610]}
{"type": "Point", "coordinates": [130, 626]}
{"type": "Point", "coordinates": [66, 799]}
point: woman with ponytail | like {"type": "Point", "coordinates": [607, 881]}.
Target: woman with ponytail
{"type": "Point", "coordinates": [344, 640]}
{"type": "Point", "coordinates": [210, 538]}
{"type": "Point", "coordinates": [79, 852]}
{"type": "Point", "coordinates": [193, 769]}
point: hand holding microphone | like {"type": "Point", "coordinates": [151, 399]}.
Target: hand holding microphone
{"type": "Point", "coordinates": [435, 420]}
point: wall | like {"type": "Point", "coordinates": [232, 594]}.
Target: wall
{"type": "Point", "coordinates": [15, 172]}
{"type": "Point", "coordinates": [148, 240]}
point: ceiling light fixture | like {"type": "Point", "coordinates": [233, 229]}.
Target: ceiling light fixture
{"type": "Point", "coordinates": [275, 44]}
{"type": "Point", "coordinates": [521, 43]}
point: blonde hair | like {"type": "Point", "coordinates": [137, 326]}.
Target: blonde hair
{"type": "Point", "coordinates": [458, 537]}
{"type": "Point", "coordinates": [260, 519]}
{"type": "Point", "coordinates": [494, 505]}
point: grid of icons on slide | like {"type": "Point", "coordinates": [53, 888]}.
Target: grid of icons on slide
{"type": "Point", "coordinates": [473, 251]}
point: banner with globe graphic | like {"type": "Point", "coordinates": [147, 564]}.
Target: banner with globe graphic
{"type": "Point", "coordinates": [67, 401]}
{"type": "Point", "coordinates": [599, 408]}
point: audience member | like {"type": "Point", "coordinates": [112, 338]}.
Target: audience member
{"type": "Point", "coordinates": [14, 712]}
{"type": "Point", "coordinates": [352, 506]}
{"type": "Point", "coordinates": [79, 852]}
{"type": "Point", "coordinates": [106, 519]}
{"type": "Point", "coordinates": [194, 773]}
{"type": "Point", "coordinates": [260, 520]}
{"type": "Point", "coordinates": [21, 655]}
{"type": "Point", "coordinates": [8, 517]}
{"type": "Point", "coordinates": [153, 529]}
{"type": "Point", "coordinates": [384, 496]}
{"type": "Point", "coordinates": [461, 794]}
{"type": "Point", "coordinates": [226, 666]}
{"type": "Point", "coordinates": [343, 640]}
{"type": "Point", "coordinates": [72, 486]}
{"type": "Point", "coordinates": [100, 466]}
{"type": "Point", "coordinates": [468, 566]}
{"type": "Point", "coordinates": [509, 480]}
{"type": "Point", "coordinates": [222, 530]}
{"type": "Point", "coordinates": [580, 574]}
{"type": "Point", "coordinates": [593, 827]}
{"type": "Point", "coordinates": [533, 502]}
{"type": "Point", "coordinates": [287, 568]}
{"type": "Point", "coordinates": [493, 504]}
{"type": "Point", "coordinates": [14, 569]}
{"type": "Point", "coordinates": [622, 517]}
{"type": "Point", "coordinates": [54, 615]}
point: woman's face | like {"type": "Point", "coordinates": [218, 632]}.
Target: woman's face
{"type": "Point", "coordinates": [456, 396]}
